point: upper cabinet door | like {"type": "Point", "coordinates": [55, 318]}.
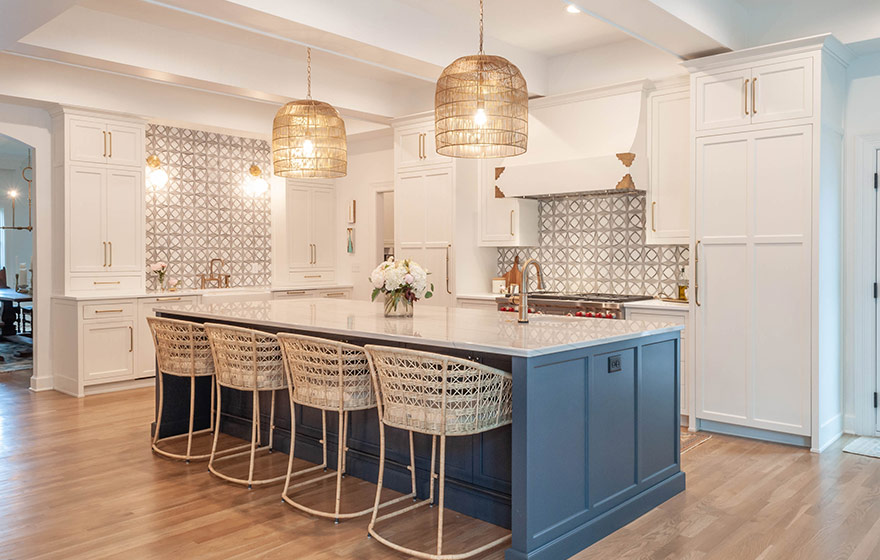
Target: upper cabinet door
{"type": "Point", "coordinates": [323, 226]}
{"type": "Point", "coordinates": [436, 207]}
{"type": "Point", "coordinates": [123, 200]}
{"type": "Point", "coordinates": [668, 212]}
{"type": "Point", "coordinates": [723, 99]}
{"type": "Point", "coordinates": [125, 145]}
{"type": "Point", "coordinates": [299, 235]}
{"type": "Point", "coordinates": [782, 91]}
{"type": "Point", "coordinates": [87, 247]}
{"type": "Point", "coordinates": [410, 147]}
{"type": "Point", "coordinates": [87, 140]}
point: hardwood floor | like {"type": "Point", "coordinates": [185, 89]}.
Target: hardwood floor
{"type": "Point", "coordinates": [78, 481]}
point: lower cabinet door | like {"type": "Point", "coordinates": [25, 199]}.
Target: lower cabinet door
{"type": "Point", "coordinates": [108, 351]}
{"type": "Point", "coordinates": [146, 353]}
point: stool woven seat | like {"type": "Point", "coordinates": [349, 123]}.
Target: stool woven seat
{"type": "Point", "coordinates": [246, 360]}
{"type": "Point", "coordinates": [440, 396]}
{"type": "Point", "coordinates": [329, 376]}
{"type": "Point", "coordinates": [182, 350]}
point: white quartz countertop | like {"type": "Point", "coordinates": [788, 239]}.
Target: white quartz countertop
{"type": "Point", "coordinates": [658, 304]}
{"type": "Point", "coordinates": [244, 290]}
{"type": "Point", "coordinates": [479, 330]}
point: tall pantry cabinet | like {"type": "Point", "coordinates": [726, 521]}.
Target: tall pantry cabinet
{"type": "Point", "coordinates": [435, 213]}
{"type": "Point", "coordinates": [766, 242]}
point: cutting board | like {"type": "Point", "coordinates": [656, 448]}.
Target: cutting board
{"type": "Point", "coordinates": [514, 275]}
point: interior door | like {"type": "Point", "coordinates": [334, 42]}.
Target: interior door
{"type": "Point", "coordinates": [87, 247]}
{"type": "Point", "coordinates": [723, 99]}
{"type": "Point", "coordinates": [323, 234]}
{"type": "Point", "coordinates": [299, 220]}
{"type": "Point", "coordinates": [124, 198]}
{"type": "Point", "coordinates": [722, 281]}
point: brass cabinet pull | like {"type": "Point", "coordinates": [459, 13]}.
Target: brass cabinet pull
{"type": "Point", "coordinates": [746, 95]}
{"type": "Point", "coordinates": [99, 283]}
{"type": "Point", "coordinates": [168, 299]}
{"type": "Point", "coordinates": [130, 339]}
{"type": "Point", "coordinates": [335, 294]}
{"type": "Point", "coordinates": [105, 143]}
{"type": "Point", "coordinates": [448, 291]}
{"type": "Point", "coordinates": [511, 224]}
{"type": "Point", "coordinates": [108, 311]}
{"type": "Point", "coordinates": [697, 274]}
{"type": "Point", "coordinates": [105, 253]}
{"type": "Point", "coordinates": [754, 87]}
{"type": "Point", "coordinates": [110, 137]}
{"type": "Point", "coordinates": [653, 216]}
{"type": "Point", "coordinates": [312, 276]}
{"type": "Point", "coordinates": [315, 249]}
{"type": "Point", "coordinates": [110, 244]}
{"type": "Point", "coordinates": [296, 293]}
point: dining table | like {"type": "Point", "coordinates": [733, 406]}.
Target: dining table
{"type": "Point", "coordinates": [9, 298]}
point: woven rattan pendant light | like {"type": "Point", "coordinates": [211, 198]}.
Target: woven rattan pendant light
{"type": "Point", "coordinates": [308, 138]}
{"type": "Point", "coordinates": [481, 107]}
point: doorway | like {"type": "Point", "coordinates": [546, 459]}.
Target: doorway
{"type": "Point", "coordinates": [16, 256]}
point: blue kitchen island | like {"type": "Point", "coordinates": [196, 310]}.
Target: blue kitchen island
{"type": "Point", "coordinates": [594, 442]}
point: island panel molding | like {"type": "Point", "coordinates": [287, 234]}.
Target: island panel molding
{"type": "Point", "coordinates": [595, 242]}
{"type": "Point", "coordinates": [204, 212]}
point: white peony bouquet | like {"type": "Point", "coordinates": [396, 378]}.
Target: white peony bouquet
{"type": "Point", "coordinates": [400, 280]}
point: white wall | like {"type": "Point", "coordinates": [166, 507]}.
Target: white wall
{"type": "Point", "coordinates": [370, 167]}
{"type": "Point", "coordinates": [32, 126]}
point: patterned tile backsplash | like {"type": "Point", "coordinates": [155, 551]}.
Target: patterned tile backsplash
{"type": "Point", "coordinates": [595, 242]}
{"type": "Point", "coordinates": [203, 211]}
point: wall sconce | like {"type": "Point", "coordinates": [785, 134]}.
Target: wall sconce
{"type": "Point", "coordinates": [156, 176]}
{"type": "Point", "coordinates": [254, 184]}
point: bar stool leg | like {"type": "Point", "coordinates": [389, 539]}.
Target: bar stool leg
{"type": "Point", "coordinates": [345, 440]}
{"type": "Point", "coordinates": [412, 465]}
{"type": "Point", "coordinates": [255, 427]}
{"type": "Point", "coordinates": [216, 428]}
{"type": "Point", "coordinates": [160, 375]}
{"type": "Point", "coordinates": [340, 462]}
{"type": "Point", "coordinates": [433, 459]}
{"type": "Point", "coordinates": [272, 422]}
{"type": "Point", "coordinates": [292, 443]}
{"type": "Point", "coordinates": [324, 436]}
{"type": "Point", "coordinates": [211, 418]}
{"type": "Point", "coordinates": [442, 488]}
{"type": "Point", "coordinates": [381, 475]}
{"type": "Point", "coordinates": [192, 411]}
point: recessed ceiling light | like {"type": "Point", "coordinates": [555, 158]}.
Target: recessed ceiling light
{"type": "Point", "coordinates": [572, 9]}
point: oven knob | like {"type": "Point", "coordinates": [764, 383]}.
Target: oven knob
{"type": "Point", "coordinates": [588, 314]}
{"type": "Point", "coordinates": [609, 316]}
{"type": "Point", "coordinates": [578, 314]}
{"type": "Point", "coordinates": [531, 309]}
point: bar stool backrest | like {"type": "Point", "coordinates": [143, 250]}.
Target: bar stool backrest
{"type": "Point", "coordinates": [246, 359]}
{"type": "Point", "coordinates": [438, 395]}
{"type": "Point", "coordinates": [327, 374]}
{"type": "Point", "coordinates": [182, 347]}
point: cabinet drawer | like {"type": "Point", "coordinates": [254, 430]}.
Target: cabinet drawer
{"type": "Point", "coordinates": [106, 283]}
{"type": "Point", "coordinates": [294, 294]}
{"type": "Point", "coordinates": [110, 310]}
{"type": "Point", "coordinates": [337, 294]}
{"type": "Point", "coordinates": [161, 301]}
{"type": "Point", "coordinates": [312, 276]}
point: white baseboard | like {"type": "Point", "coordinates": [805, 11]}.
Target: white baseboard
{"type": "Point", "coordinates": [44, 383]}
{"type": "Point", "coordinates": [829, 432]}
{"type": "Point", "coordinates": [753, 433]}
{"type": "Point", "coordinates": [849, 424]}
{"type": "Point", "coordinates": [119, 386]}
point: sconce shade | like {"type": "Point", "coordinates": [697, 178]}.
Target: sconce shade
{"type": "Point", "coordinates": [308, 141]}
{"type": "Point", "coordinates": [481, 108]}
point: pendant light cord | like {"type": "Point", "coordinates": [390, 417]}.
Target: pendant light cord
{"type": "Point", "coordinates": [309, 72]}
{"type": "Point", "coordinates": [481, 26]}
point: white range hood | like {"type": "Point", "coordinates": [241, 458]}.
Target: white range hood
{"type": "Point", "coordinates": [574, 141]}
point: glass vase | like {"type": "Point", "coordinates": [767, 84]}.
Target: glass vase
{"type": "Point", "coordinates": [397, 306]}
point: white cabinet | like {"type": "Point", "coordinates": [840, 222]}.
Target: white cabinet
{"type": "Point", "coordinates": [99, 184]}
{"type": "Point", "coordinates": [504, 222]}
{"type": "Point", "coordinates": [310, 225]}
{"type": "Point", "coordinates": [146, 353]}
{"type": "Point", "coordinates": [668, 192]}
{"type": "Point", "coordinates": [761, 93]}
{"type": "Point", "coordinates": [108, 351]}
{"type": "Point", "coordinates": [423, 225]}
{"type": "Point", "coordinates": [416, 147]}
{"type": "Point", "coordinates": [97, 140]}
{"type": "Point", "coordinates": [676, 317]}
{"type": "Point", "coordinates": [104, 234]}
{"type": "Point", "coordinates": [753, 226]}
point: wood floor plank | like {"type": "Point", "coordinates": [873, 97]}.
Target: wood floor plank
{"type": "Point", "coordinates": [78, 481]}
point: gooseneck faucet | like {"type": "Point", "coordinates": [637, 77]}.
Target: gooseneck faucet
{"type": "Point", "coordinates": [524, 289]}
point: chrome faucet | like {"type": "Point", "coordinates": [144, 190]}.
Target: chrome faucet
{"type": "Point", "coordinates": [222, 280]}
{"type": "Point", "coordinates": [524, 289]}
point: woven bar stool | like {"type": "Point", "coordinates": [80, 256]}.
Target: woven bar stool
{"type": "Point", "coordinates": [246, 360]}
{"type": "Point", "coordinates": [329, 376]}
{"type": "Point", "coordinates": [182, 350]}
{"type": "Point", "coordinates": [440, 396]}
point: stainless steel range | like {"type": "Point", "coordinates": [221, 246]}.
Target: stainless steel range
{"type": "Point", "coordinates": [602, 306]}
